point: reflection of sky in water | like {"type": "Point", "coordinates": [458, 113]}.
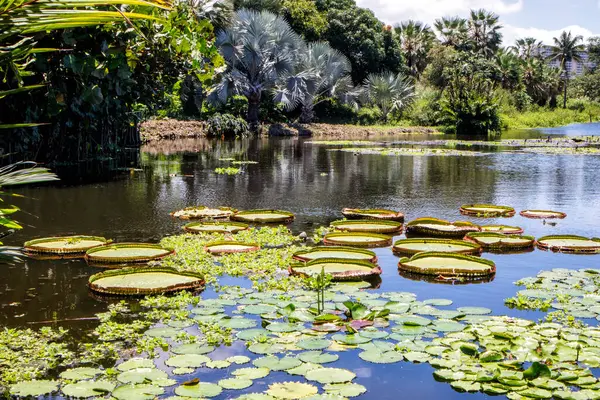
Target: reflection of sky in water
{"type": "Point", "coordinates": [315, 184]}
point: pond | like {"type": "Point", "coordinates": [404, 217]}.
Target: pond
{"type": "Point", "coordinates": [315, 184]}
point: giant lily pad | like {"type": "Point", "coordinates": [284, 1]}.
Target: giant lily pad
{"type": "Point", "coordinates": [33, 388]}
{"type": "Point", "coordinates": [263, 216]}
{"type": "Point", "coordinates": [569, 244]}
{"type": "Point", "coordinates": [407, 247]}
{"type": "Point", "coordinates": [64, 245]}
{"type": "Point", "coordinates": [202, 212]}
{"type": "Point", "coordinates": [357, 239]}
{"type": "Point", "coordinates": [339, 269]}
{"type": "Point", "coordinates": [126, 253]}
{"type": "Point", "coordinates": [230, 246]}
{"type": "Point", "coordinates": [504, 229]}
{"type": "Point", "coordinates": [487, 210]}
{"type": "Point", "coordinates": [447, 264]}
{"type": "Point", "coordinates": [382, 214]}
{"type": "Point", "coordinates": [440, 228]}
{"type": "Point", "coordinates": [500, 242]}
{"type": "Point", "coordinates": [215, 227]}
{"type": "Point", "coordinates": [371, 226]}
{"type": "Point", "coordinates": [144, 281]}
{"type": "Point", "coordinates": [543, 214]}
{"type": "Point", "coordinates": [339, 252]}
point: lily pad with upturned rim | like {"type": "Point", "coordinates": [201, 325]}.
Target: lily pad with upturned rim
{"type": "Point", "coordinates": [435, 227]}
{"type": "Point", "coordinates": [413, 246]}
{"type": "Point", "coordinates": [500, 242]}
{"type": "Point", "coordinates": [339, 269]}
{"type": "Point", "coordinates": [504, 229]}
{"type": "Point", "coordinates": [64, 245]}
{"type": "Point", "coordinates": [215, 227]}
{"type": "Point", "coordinates": [357, 239]}
{"type": "Point", "coordinates": [263, 216]}
{"type": "Point", "coordinates": [121, 253]}
{"type": "Point", "coordinates": [340, 252]}
{"type": "Point", "coordinates": [487, 210]}
{"type": "Point", "coordinates": [447, 264]}
{"type": "Point", "coordinates": [230, 247]}
{"type": "Point", "coordinates": [569, 244]}
{"type": "Point", "coordinates": [381, 214]}
{"type": "Point", "coordinates": [203, 212]}
{"type": "Point", "coordinates": [144, 281]}
{"type": "Point", "coordinates": [543, 214]}
{"type": "Point", "coordinates": [370, 226]}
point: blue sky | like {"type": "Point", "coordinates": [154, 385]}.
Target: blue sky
{"type": "Point", "coordinates": [542, 19]}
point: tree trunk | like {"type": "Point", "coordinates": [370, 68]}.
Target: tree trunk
{"type": "Point", "coordinates": [308, 114]}
{"type": "Point", "coordinates": [253, 111]}
{"type": "Point", "coordinates": [565, 88]}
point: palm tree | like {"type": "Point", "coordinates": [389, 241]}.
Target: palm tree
{"type": "Point", "coordinates": [453, 31]}
{"type": "Point", "coordinates": [484, 31]}
{"type": "Point", "coordinates": [416, 39]}
{"type": "Point", "coordinates": [258, 48]}
{"type": "Point", "coordinates": [509, 69]}
{"type": "Point", "coordinates": [388, 92]}
{"type": "Point", "coordinates": [542, 82]}
{"type": "Point", "coordinates": [527, 48]}
{"type": "Point", "coordinates": [567, 48]}
{"type": "Point", "coordinates": [322, 72]}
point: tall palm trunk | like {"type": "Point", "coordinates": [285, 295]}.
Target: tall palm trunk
{"type": "Point", "coordinates": [308, 113]}
{"type": "Point", "coordinates": [565, 87]}
{"type": "Point", "coordinates": [253, 111]}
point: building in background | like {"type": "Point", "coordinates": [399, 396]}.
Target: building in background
{"type": "Point", "coordinates": [575, 68]}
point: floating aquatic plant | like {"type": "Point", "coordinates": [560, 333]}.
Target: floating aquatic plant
{"type": "Point", "coordinates": [405, 151]}
{"type": "Point", "coordinates": [370, 226]}
{"type": "Point", "coordinates": [228, 171]}
{"type": "Point", "coordinates": [230, 247]}
{"type": "Point", "coordinates": [504, 229]}
{"type": "Point", "coordinates": [543, 214]}
{"type": "Point", "coordinates": [447, 264]}
{"type": "Point", "coordinates": [500, 242]}
{"type": "Point", "coordinates": [124, 253]}
{"type": "Point", "coordinates": [409, 247]}
{"type": "Point", "coordinates": [358, 239]}
{"type": "Point", "coordinates": [263, 216]}
{"type": "Point", "coordinates": [203, 212]}
{"type": "Point", "coordinates": [375, 214]}
{"type": "Point", "coordinates": [339, 269]}
{"type": "Point", "coordinates": [340, 252]}
{"type": "Point", "coordinates": [433, 227]}
{"type": "Point", "coordinates": [215, 227]}
{"type": "Point", "coordinates": [487, 210]}
{"type": "Point", "coordinates": [64, 245]}
{"type": "Point", "coordinates": [569, 244]}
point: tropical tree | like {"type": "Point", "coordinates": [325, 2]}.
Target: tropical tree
{"type": "Point", "coordinates": [452, 30]}
{"type": "Point", "coordinates": [567, 48]}
{"type": "Point", "coordinates": [542, 82]}
{"type": "Point", "coordinates": [484, 32]}
{"type": "Point", "coordinates": [322, 73]}
{"type": "Point", "coordinates": [389, 92]}
{"type": "Point", "coordinates": [258, 48]}
{"type": "Point", "coordinates": [416, 39]}
{"type": "Point", "coordinates": [528, 48]}
{"type": "Point", "coordinates": [509, 69]}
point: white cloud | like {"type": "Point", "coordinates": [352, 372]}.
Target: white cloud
{"type": "Point", "coordinates": [511, 33]}
{"type": "Point", "coordinates": [393, 11]}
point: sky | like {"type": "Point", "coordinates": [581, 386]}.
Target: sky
{"type": "Point", "coordinates": [542, 19]}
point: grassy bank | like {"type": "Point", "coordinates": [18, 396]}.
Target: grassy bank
{"type": "Point", "coordinates": [548, 118]}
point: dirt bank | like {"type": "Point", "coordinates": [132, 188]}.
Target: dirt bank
{"type": "Point", "coordinates": [168, 129]}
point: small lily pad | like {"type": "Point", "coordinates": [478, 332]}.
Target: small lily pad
{"type": "Point", "coordinates": [277, 364]}
{"type": "Point", "coordinates": [345, 389]}
{"type": "Point", "coordinates": [137, 392]}
{"type": "Point", "coordinates": [317, 357]}
{"type": "Point", "coordinates": [85, 389]}
{"type": "Point", "coordinates": [292, 390]}
{"type": "Point", "coordinates": [388, 357]}
{"type": "Point", "coordinates": [187, 361]}
{"type": "Point", "coordinates": [313, 344]}
{"type": "Point", "coordinates": [199, 390]}
{"type": "Point", "coordinates": [77, 374]}
{"type": "Point", "coordinates": [235, 383]}
{"type": "Point", "coordinates": [330, 375]}
{"type": "Point", "coordinates": [136, 363]}
{"type": "Point", "coordinates": [193, 348]}
{"type": "Point", "coordinates": [251, 373]}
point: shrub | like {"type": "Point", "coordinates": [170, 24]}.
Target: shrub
{"type": "Point", "coordinates": [226, 125]}
{"type": "Point", "coordinates": [368, 116]}
{"type": "Point", "coordinates": [426, 108]}
{"type": "Point", "coordinates": [333, 111]}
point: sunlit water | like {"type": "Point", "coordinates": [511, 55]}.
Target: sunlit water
{"type": "Point", "coordinates": [315, 184]}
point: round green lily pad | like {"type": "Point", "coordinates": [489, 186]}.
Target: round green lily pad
{"type": "Point", "coordinates": [235, 383]}
{"type": "Point", "coordinates": [187, 361]}
{"type": "Point", "coordinates": [500, 242]}
{"type": "Point", "coordinates": [447, 264]}
{"type": "Point", "coordinates": [193, 348]}
{"type": "Point", "coordinates": [237, 323]}
{"type": "Point", "coordinates": [215, 227]}
{"type": "Point", "coordinates": [33, 388]}
{"type": "Point", "coordinates": [85, 389]}
{"type": "Point", "coordinates": [474, 310]}
{"type": "Point", "coordinates": [433, 227]}
{"type": "Point", "coordinates": [338, 252]}
{"type": "Point", "coordinates": [121, 253]}
{"type": "Point", "coordinates": [142, 375]}
{"type": "Point", "coordinates": [376, 214]}
{"type": "Point", "coordinates": [136, 363]}
{"type": "Point", "coordinates": [357, 239]}
{"type": "Point", "coordinates": [504, 229]}
{"type": "Point", "coordinates": [137, 392]}
{"type": "Point", "coordinates": [162, 332]}
{"type": "Point", "coordinates": [313, 344]}
{"type": "Point", "coordinates": [252, 334]}
{"type": "Point", "coordinates": [80, 373]}
{"type": "Point", "coordinates": [569, 244]}
{"type": "Point", "coordinates": [251, 372]}
{"type": "Point", "coordinates": [370, 226]}
{"type": "Point", "coordinates": [487, 210]}
{"type": "Point", "coordinates": [330, 375]}
{"type": "Point", "coordinates": [230, 247]}
{"type": "Point", "coordinates": [377, 357]}
{"type": "Point", "coordinates": [291, 390]}
{"type": "Point", "coordinates": [263, 216]}
{"type": "Point", "coordinates": [345, 389]}
{"type": "Point", "coordinates": [282, 327]}
{"type": "Point", "coordinates": [199, 390]}
{"type": "Point", "coordinates": [408, 247]}
{"type": "Point", "coordinates": [277, 364]}
{"type": "Point", "coordinates": [64, 245]}
{"type": "Point", "coordinates": [144, 281]}
{"type": "Point", "coordinates": [318, 357]}
{"type": "Point", "coordinates": [339, 269]}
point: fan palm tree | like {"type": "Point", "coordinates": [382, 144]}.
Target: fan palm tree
{"type": "Point", "coordinates": [484, 31]}
{"type": "Point", "coordinates": [416, 39]}
{"type": "Point", "coordinates": [542, 82]}
{"type": "Point", "coordinates": [22, 22]}
{"type": "Point", "coordinates": [258, 48]}
{"type": "Point", "coordinates": [388, 92]}
{"type": "Point", "coordinates": [567, 48]}
{"type": "Point", "coordinates": [453, 31]}
{"type": "Point", "coordinates": [509, 69]}
{"type": "Point", "coordinates": [321, 73]}
{"type": "Point", "coordinates": [527, 48]}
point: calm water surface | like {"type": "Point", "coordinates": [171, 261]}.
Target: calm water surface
{"type": "Point", "coordinates": [315, 184]}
